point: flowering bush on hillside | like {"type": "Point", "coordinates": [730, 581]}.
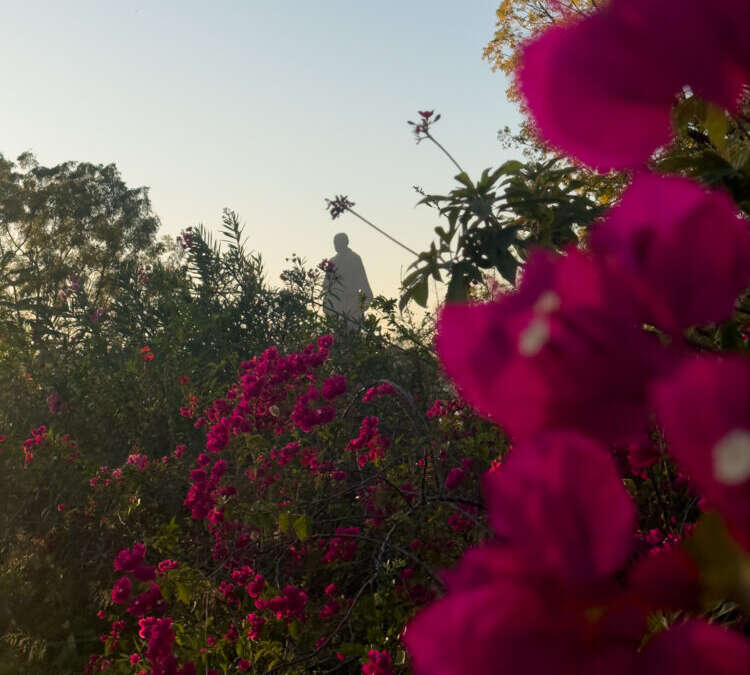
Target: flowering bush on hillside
{"type": "Point", "coordinates": [316, 516]}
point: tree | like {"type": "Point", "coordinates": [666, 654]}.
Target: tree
{"type": "Point", "coordinates": [518, 20]}
{"type": "Point", "coordinates": [65, 232]}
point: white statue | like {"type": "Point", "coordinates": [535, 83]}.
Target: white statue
{"type": "Point", "coordinates": [346, 287]}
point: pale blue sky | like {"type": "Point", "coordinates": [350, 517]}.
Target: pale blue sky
{"type": "Point", "coordinates": [265, 107]}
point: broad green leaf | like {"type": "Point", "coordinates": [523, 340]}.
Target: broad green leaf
{"type": "Point", "coordinates": [724, 567]}
{"type": "Point", "coordinates": [457, 290]}
{"type": "Point", "coordinates": [420, 292]}
{"type": "Point", "coordinates": [285, 521]}
{"type": "Point", "coordinates": [464, 179]}
{"type": "Point", "coordinates": [511, 166]}
{"type": "Point", "coordinates": [294, 629]}
{"type": "Point", "coordinates": [183, 593]}
{"type": "Point", "coordinates": [716, 125]}
{"type": "Point", "coordinates": [302, 528]}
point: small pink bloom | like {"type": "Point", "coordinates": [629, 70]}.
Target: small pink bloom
{"type": "Point", "coordinates": [378, 663]}
{"type": "Point", "coordinates": [333, 387]}
{"type": "Point", "coordinates": [121, 590]}
{"type": "Point", "coordinates": [454, 478]}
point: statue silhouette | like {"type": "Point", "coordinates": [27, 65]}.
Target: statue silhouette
{"type": "Point", "coordinates": [346, 284]}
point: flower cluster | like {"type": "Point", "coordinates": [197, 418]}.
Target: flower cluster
{"type": "Point", "coordinates": [37, 437]}
{"type": "Point", "coordinates": [383, 389]}
{"type": "Point", "coordinates": [369, 445]}
{"type": "Point", "coordinates": [338, 205]}
{"type": "Point", "coordinates": [343, 546]}
{"type": "Point", "coordinates": [426, 120]}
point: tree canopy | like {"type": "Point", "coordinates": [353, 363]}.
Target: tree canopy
{"type": "Point", "coordinates": [65, 231]}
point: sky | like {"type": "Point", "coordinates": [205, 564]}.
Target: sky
{"type": "Point", "coordinates": [263, 107]}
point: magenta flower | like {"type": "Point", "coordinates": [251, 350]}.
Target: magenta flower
{"type": "Point", "coordinates": [561, 501]}
{"type": "Point", "coordinates": [704, 410]}
{"type": "Point", "coordinates": [496, 617]}
{"type": "Point", "coordinates": [121, 590]}
{"type": "Point", "coordinates": [602, 89]}
{"type": "Point", "coordinates": [333, 387]}
{"type": "Point", "coordinates": [543, 599]}
{"type": "Point", "coordinates": [697, 648]}
{"type": "Point", "coordinates": [563, 352]}
{"type": "Point", "coordinates": [686, 249]}
{"type": "Point", "coordinates": [378, 663]}
{"type": "Point", "coordinates": [454, 478]}
{"type": "Point", "coordinates": [125, 561]}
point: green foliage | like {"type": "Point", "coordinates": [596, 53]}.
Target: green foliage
{"type": "Point", "coordinates": [494, 223]}
{"type": "Point", "coordinates": [201, 307]}
{"type": "Point", "coordinates": [711, 147]}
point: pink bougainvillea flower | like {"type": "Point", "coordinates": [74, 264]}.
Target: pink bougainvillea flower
{"type": "Point", "coordinates": [593, 87]}
{"type": "Point", "coordinates": [686, 248]}
{"type": "Point", "coordinates": [667, 579]}
{"type": "Point", "coordinates": [454, 478]}
{"type": "Point", "coordinates": [697, 648]}
{"type": "Point", "coordinates": [378, 663]}
{"type": "Point", "coordinates": [121, 590]}
{"type": "Point", "coordinates": [563, 352]}
{"type": "Point", "coordinates": [704, 409]}
{"type": "Point", "coordinates": [333, 386]}
{"type": "Point", "coordinates": [561, 501]}
{"type": "Point", "coordinates": [542, 600]}
{"type": "Point", "coordinates": [497, 618]}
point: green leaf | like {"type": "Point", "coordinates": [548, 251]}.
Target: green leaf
{"type": "Point", "coordinates": [687, 111]}
{"type": "Point", "coordinates": [302, 528]}
{"type": "Point", "coordinates": [724, 567]}
{"type": "Point", "coordinates": [457, 288]}
{"type": "Point", "coordinates": [420, 292]}
{"type": "Point", "coordinates": [464, 179]}
{"type": "Point", "coordinates": [285, 521]}
{"type": "Point", "coordinates": [183, 593]}
{"type": "Point", "coordinates": [716, 125]}
{"type": "Point", "coordinates": [507, 266]}
{"type": "Point", "coordinates": [511, 166]}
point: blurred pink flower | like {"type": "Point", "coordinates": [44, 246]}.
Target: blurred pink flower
{"type": "Point", "coordinates": [704, 410]}
{"type": "Point", "coordinates": [601, 89]}
{"type": "Point", "coordinates": [565, 351]}
{"type": "Point", "coordinates": [686, 248]}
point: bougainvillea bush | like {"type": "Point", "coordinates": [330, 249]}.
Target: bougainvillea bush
{"type": "Point", "coordinates": [300, 534]}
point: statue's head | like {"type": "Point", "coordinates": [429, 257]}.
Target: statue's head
{"type": "Point", "coordinates": [340, 242]}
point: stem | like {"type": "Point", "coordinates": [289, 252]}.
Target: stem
{"type": "Point", "coordinates": [447, 154]}
{"type": "Point", "coordinates": [385, 234]}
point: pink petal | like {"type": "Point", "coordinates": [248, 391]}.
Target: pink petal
{"type": "Point", "coordinates": [601, 89]}
{"type": "Point", "coordinates": [686, 246]}
{"type": "Point", "coordinates": [561, 501]}
{"type": "Point", "coordinates": [704, 410]}
{"type": "Point", "coordinates": [697, 648]}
